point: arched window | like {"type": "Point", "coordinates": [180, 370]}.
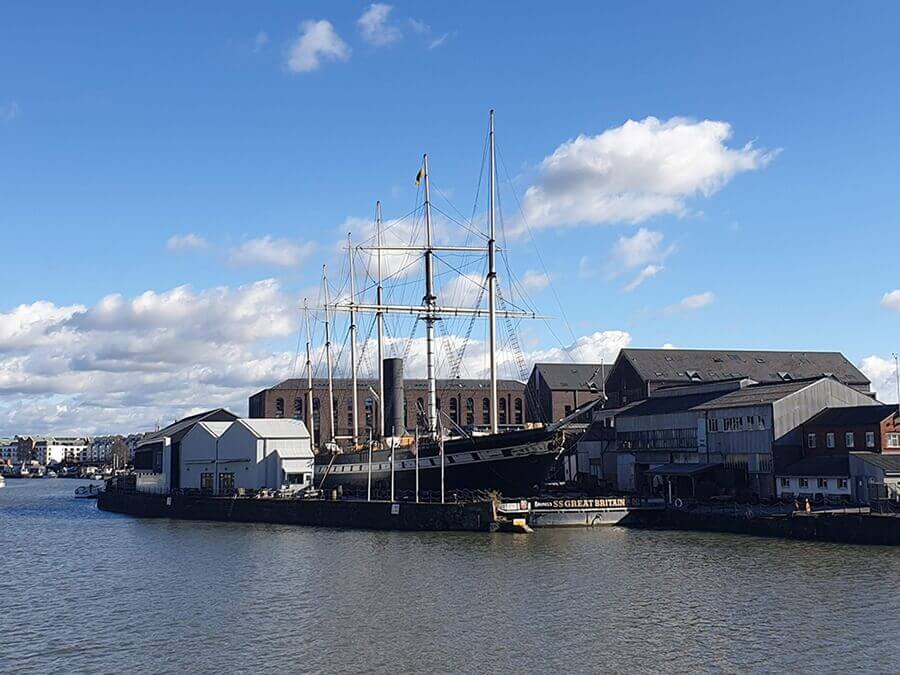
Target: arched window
{"type": "Point", "coordinates": [336, 410]}
{"type": "Point", "coordinates": [470, 411]}
{"type": "Point", "coordinates": [298, 408]}
{"type": "Point", "coordinates": [279, 408]}
{"type": "Point", "coordinates": [517, 410]}
{"type": "Point", "coordinates": [370, 412]}
{"type": "Point", "coordinates": [350, 415]}
{"type": "Point", "coordinates": [406, 412]}
{"type": "Point", "coordinates": [501, 412]}
{"type": "Point", "coordinates": [485, 411]}
{"type": "Point", "coordinates": [317, 416]}
{"type": "Point", "coordinates": [454, 410]}
{"type": "Point", "coordinates": [420, 413]}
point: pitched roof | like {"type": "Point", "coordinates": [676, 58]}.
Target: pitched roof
{"type": "Point", "coordinates": [889, 462]}
{"type": "Point", "coordinates": [178, 429]}
{"type": "Point", "coordinates": [829, 465]}
{"type": "Point", "coordinates": [299, 384]}
{"type": "Point", "coordinates": [704, 365]}
{"type": "Point", "coordinates": [215, 428]}
{"type": "Point", "coordinates": [574, 376]}
{"type": "Point", "coordinates": [275, 428]}
{"type": "Point", "coordinates": [853, 415]}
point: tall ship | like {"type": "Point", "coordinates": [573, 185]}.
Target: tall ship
{"type": "Point", "coordinates": [438, 455]}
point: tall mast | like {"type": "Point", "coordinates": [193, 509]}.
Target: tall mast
{"type": "Point", "coordinates": [309, 378]}
{"type": "Point", "coordinates": [328, 357]}
{"type": "Point", "coordinates": [492, 282]}
{"type": "Point", "coordinates": [379, 319]}
{"type": "Point", "coordinates": [430, 304]}
{"type": "Point", "coordinates": [354, 433]}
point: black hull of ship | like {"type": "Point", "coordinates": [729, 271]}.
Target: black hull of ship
{"type": "Point", "coordinates": [516, 464]}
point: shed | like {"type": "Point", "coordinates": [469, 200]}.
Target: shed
{"type": "Point", "coordinates": [264, 453]}
{"type": "Point", "coordinates": [200, 455]}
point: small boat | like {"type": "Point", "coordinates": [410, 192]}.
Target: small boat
{"type": "Point", "coordinates": [51, 474]}
{"type": "Point", "coordinates": [2, 482]}
{"type": "Point", "coordinates": [88, 492]}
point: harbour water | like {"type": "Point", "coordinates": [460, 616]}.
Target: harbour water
{"type": "Point", "coordinates": [87, 591]}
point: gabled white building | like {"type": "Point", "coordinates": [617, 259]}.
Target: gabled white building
{"type": "Point", "coordinates": [250, 454]}
{"type": "Point", "coordinates": [200, 455]}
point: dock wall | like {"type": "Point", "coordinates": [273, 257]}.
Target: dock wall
{"type": "Point", "coordinates": [471, 517]}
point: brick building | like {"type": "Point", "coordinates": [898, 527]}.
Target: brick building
{"type": "Point", "coordinates": [466, 402]}
{"type": "Point", "coordinates": [839, 431]}
{"type": "Point", "coordinates": [556, 389]}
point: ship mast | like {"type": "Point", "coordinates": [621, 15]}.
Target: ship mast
{"type": "Point", "coordinates": [353, 382]}
{"type": "Point", "coordinates": [328, 358]}
{"type": "Point", "coordinates": [492, 283]}
{"type": "Point", "coordinates": [309, 378]}
{"type": "Point", "coordinates": [430, 303]}
{"type": "Point", "coordinates": [379, 319]}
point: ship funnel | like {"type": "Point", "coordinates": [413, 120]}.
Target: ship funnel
{"type": "Point", "coordinates": [394, 398]}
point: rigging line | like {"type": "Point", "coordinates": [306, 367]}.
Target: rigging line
{"type": "Point", "coordinates": [536, 248]}
{"type": "Point", "coordinates": [391, 223]}
{"type": "Point", "coordinates": [460, 223]}
{"type": "Point", "coordinates": [299, 339]}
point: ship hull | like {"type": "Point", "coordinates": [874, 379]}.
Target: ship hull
{"type": "Point", "coordinates": [514, 464]}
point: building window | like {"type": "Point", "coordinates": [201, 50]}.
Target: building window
{"type": "Point", "coordinates": [823, 483]}
{"type": "Point", "coordinates": [804, 482]}
{"type": "Point", "coordinates": [454, 410]}
{"type": "Point", "coordinates": [470, 411]}
{"type": "Point", "coordinates": [317, 416]}
{"type": "Point", "coordinates": [567, 411]}
{"type": "Point", "coordinates": [849, 439]}
{"type": "Point", "coordinates": [206, 482]}
{"type": "Point", "coordinates": [420, 413]}
{"type": "Point", "coordinates": [501, 412]}
{"type": "Point", "coordinates": [279, 408]}
{"type": "Point", "coordinates": [370, 412]}
{"type": "Point", "coordinates": [405, 412]}
{"type": "Point", "coordinates": [785, 482]}
{"type": "Point", "coordinates": [298, 408]}
{"type": "Point", "coordinates": [226, 482]}
{"type": "Point", "coordinates": [350, 416]}
{"type": "Point", "coordinates": [485, 411]}
{"type": "Point", "coordinates": [829, 440]}
{"type": "Point", "coordinates": [894, 440]}
{"type": "Point", "coordinates": [842, 483]}
{"type": "Point", "coordinates": [517, 411]}
{"type": "Point", "coordinates": [810, 440]}
{"type": "Point", "coordinates": [870, 439]}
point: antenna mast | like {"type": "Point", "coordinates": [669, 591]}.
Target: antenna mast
{"type": "Point", "coordinates": [309, 378]}
{"type": "Point", "coordinates": [492, 283]}
{"type": "Point", "coordinates": [379, 319]}
{"type": "Point", "coordinates": [328, 358]}
{"type": "Point", "coordinates": [430, 304]}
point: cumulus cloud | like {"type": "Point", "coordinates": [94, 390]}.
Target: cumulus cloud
{"type": "Point", "coordinates": [641, 169]}
{"type": "Point", "coordinates": [645, 250]}
{"type": "Point", "coordinates": [317, 42]}
{"type": "Point", "coordinates": [9, 111]}
{"type": "Point", "coordinates": [186, 242]}
{"type": "Point", "coordinates": [883, 375]}
{"type": "Point", "coordinates": [123, 363]}
{"type": "Point", "coordinates": [374, 25]}
{"type": "Point", "coordinates": [891, 301]}
{"type": "Point", "coordinates": [691, 303]}
{"type": "Point", "coordinates": [533, 280]}
{"type": "Point", "coordinates": [270, 251]}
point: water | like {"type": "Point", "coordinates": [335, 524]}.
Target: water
{"type": "Point", "coordinates": [86, 591]}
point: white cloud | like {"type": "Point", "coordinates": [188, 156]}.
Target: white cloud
{"type": "Point", "coordinates": [270, 251]}
{"type": "Point", "coordinates": [691, 303]}
{"type": "Point", "coordinates": [260, 41]}
{"type": "Point", "coordinates": [535, 281]}
{"type": "Point", "coordinates": [438, 41]}
{"type": "Point", "coordinates": [123, 363]}
{"type": "Point", "coordinates": [316, 43]}
{"type": "Point", "coordinates": [630, 173]}
{"type": "Point", "coordinates": [891, 301]}
{"type": "Point", "coordinates": [648, 272]}
{"type": "Point", "coordinates": [9, 111]}
{"type": "Point", "coordinates": [427, 33]}
{"type": "Point", "coordinates": [883, 375]}
{"type": "Point", "coordinates": [669, 345]}
{"type": "Point", "coordinates": [186, 242]}
{"type": "Point", "coordinates": [374, 26]}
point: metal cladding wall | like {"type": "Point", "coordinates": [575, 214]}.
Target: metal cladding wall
{"type": "Point", "coordinates": [394, 397]}
{"type": "Point", "coordinates": [795, 409]}
{"type": "Point", "coordinates": [198, 455]}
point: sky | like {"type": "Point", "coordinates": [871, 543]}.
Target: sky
{"type": "Point", "coordinates": [709, 175]}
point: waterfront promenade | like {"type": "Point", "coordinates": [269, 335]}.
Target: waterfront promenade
{"type": "Point", "coordinates": [100, 592]}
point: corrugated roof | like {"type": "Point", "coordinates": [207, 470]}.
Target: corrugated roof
{"type": "Point", "coordinates": [275, 428]}
{"type": "Point", "coordinates": [178, 429]}
{"type": "Point", "coordinates": [829, 465]}
{"type": "Point", "coordinates": [853, 415]}
{"type": "Point", "coordinates": [704, 365]}
{"type": "Point", "coordinates": [889, 462]}
{"type": "Point", "coordinates": [574, 376]}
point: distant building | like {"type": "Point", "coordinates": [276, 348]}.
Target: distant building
{"type": "Point", "coordinates": [875, 476]}
{"type": "Point", "coordinates": [57, 449]}
{"type": "Point", "coordinates": [815, 477]}
{"type": "Point", "coordinates": [838, 431]}
{"type": "Point", "coordinates": [9, 451]}
{"type": "Point", "coordinates": [554, 390]}
{"type": "Point", "coordinates": [637, 373]}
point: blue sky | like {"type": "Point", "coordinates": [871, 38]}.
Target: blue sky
{"type": "Point", "coordinates": [122, 126]}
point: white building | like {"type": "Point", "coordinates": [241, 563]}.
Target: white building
{"type": "Point", "coordinates": [250, 454]}
{"type": "Point", "coordinates": [9, 450]}
{"type": "Point", "coordinates": [54, 450]}
{"type": "Point", "coordinates": [827, 476]}
{"type": "Point", "coordinates": [875, 476]}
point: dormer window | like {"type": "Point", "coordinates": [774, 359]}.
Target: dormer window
{"type": "Point", "coordinates": [786, 377]}
{"type": "Point", "coordinates": [693, 375]}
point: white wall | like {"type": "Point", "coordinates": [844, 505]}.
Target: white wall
{"type": "Point", "coordinates": [794, 488]}
{"type": "Point", "coordinates": [198, 456]}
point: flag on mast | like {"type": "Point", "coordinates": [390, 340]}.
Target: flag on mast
{"type": "Point", "coordinates": [420, 175]}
